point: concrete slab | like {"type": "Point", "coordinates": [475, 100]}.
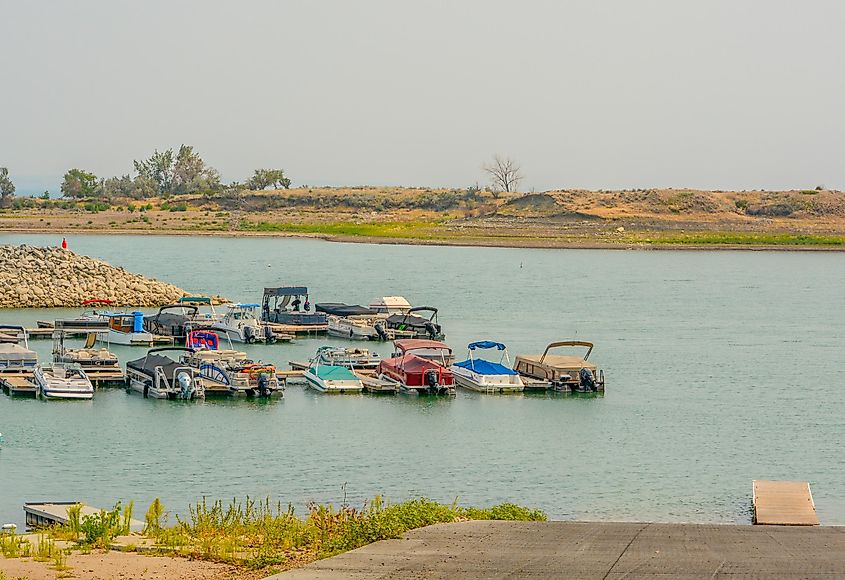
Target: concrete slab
{"type": "Point", "coordinates": [592, 550]}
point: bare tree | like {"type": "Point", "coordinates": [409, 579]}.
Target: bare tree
{"type": "Point", "coordinates": [504, 173]}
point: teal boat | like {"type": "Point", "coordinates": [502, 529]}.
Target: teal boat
{"type": "Point", "coordinates": [332, 379]}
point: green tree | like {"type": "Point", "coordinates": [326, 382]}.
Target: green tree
{"type": "Point", "coordinates": [264, 178]}
{"type": "Point", "coordinates": [158, 168]}
{"type": "Point", "coordinates": [191, 174]}
{"type": "Point", "coordinates": [78, 183]}
{"type": "Point", "coordinates": [7, 188]}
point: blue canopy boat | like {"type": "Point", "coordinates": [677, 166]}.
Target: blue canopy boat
{"type": "Point", "coordinates": [485, 376]}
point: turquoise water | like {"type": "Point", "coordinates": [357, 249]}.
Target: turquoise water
{"type": "Point", "coordinates": [722, 367]}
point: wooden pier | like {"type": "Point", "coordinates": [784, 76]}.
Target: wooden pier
{"type": "Point", "coordinates": [18, 383]}
{"type": "Point", "coordinates": [46, 514]}
{"type": "Point", "coordinates": [783, 503]}
{"type": "Point", "coordinates": [298, 329]}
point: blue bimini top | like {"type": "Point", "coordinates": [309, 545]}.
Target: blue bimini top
{"type": "Point", "coordinates": [485, 367]}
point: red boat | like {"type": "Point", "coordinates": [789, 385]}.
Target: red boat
{"type": "Point", "coordinates": [420, 367]}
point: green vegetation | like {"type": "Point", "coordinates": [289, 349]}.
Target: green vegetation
{"type": "Point", "coordinates": [79, 184]}
{"type": "Point", "coordinates": [7, 187]}
{"type": "Point", "coordinates": [744, 239]}
{"type": "Point", "coordinates": [260, 534]}
{"type": "Point", "coordinates": [264, 178]}
{"type": "Point", "coordinates": [393, 229]}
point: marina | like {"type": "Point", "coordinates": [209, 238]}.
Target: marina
{"type": "Point", "coordinates": [616, 459]}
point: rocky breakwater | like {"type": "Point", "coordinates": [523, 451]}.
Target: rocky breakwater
{"type": "Point", "coordinates": [33, 277]}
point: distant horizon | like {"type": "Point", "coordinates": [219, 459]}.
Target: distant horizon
{"type": "Point", "coordinates": [598, 94]}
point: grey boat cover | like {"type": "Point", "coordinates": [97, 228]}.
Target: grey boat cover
{"type": "Point", "coordinates": [340, 309]}
{"type": "Point", "coordinates": [16, 353]}
{"type": "Point", "coordinates": [148, 364]}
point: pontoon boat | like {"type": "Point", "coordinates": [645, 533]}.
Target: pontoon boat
{"type": "Point", "coordinates": [162, 377]}
{"type": "Point", "coordinates": [412, 325]}
{"type": "Point", "coordinates": [417, 374]}
{"type": "Point", "coordinates": [290, 305]}
{"type": "Point", "coordinates": [564, 373]}
{"type": "Point", "coordinates": [484, 376]}
{"type": "Point", "coordinates": [229, 369]}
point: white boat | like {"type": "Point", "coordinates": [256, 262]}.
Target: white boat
{"type": "Point", "coordinates": [161, 377]}
{"type": "Point", "coordinates": [229, 371]}
{"type": "Point", "coordinates": [128, 329]}
{"type": "Point", "coordinates": [390, 305]}
{"type": "Point", "coordinates": [484, 376]}
{"type": "Point", "coordinates": [100, 364]}
{"type": "Point", "coordinates": [62, 381]}
{"type": "Point", "coordinates": [240, 324]}
{"type": "Point", "coordinates": [332, 378]}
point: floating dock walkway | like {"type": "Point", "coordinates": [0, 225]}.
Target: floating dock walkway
{"type": "Point", "coordinates": [783, 503]}
{"type": "Point", "coordinates": [45, 514]}
{"type": "Point", "coordinates": [18, 383]}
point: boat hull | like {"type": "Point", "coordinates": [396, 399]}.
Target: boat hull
{"type": "Point", "coordinates": [57, 394]}
{"type": "Point", "coordinates": [480, 385]}
{"type": "Point", "coordinates": [329, 386]}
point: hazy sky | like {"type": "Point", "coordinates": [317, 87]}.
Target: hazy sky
{"type": "Point", "coordinates": [599, 94]}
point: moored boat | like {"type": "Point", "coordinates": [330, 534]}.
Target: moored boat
{"type": "Point", "coordinates": [161, 377]}
{"type": "Point", "coordinates": [355, 322]}
{"type": "Point", "coordinates": [420, 367]}
{"type": "Point", "coordinates": [229, 371]}
{"type": "Point", "coordinates": [100, 364]}
{"type": "Point", "coordinates": [128, 329]}
{"type": "Point", "coordinates": [240, 324]}
{"type": "Point", "coordinates": [484, 376]}
{"type": "Point", "coordinates": [290, 305]}
{"type": "Point", "coordinates": [564, 373]}
{"type": "Point", "coordinates": [328, 378]}
{"type": "Point", "coordinates": [412, 324]}
{"type": "Point", "coordinates": [174, 320]}
{"type": "Point", "coordinates": [62, 381]}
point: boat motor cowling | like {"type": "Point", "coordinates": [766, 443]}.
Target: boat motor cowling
{"type": "Point", "coordinates": [432, 380]}
{"type": "Point", "coordinates": [263, 385]}
{"type": "Point", "coordinates": [432, 329]}
{"type": "Point", "coordinates": [380, 331]}
{"type": "Point", "coordinates": [186, 388]}
{"type": "Point", "coordinates": [249, 334]}
{"type": "Point", "coordinates": [269, 337]}
{"type": "Point", "coordinates": [587, 380]}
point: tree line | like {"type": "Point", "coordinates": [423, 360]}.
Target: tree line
{"type": "Point", "coordinates": [163, 174]}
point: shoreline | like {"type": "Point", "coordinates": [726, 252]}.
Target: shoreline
{"type": "Point", "coordinates": [483, 242]}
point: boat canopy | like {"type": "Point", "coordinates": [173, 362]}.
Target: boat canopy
{"type": "Point", "coordinates": [286, 291]}
{"type": "Point", "coordinates": [408, 344]}
{"type": "Point", "coordinates": [485, 344]}
{"type": "Point", "coordinates": [15, 353]}
{"type": "Point", "coordinates": [341, 309]}
{"type": "Point", "coordinates": [485, 367]}
{"type": "Point", "coordinates": [233, 306]}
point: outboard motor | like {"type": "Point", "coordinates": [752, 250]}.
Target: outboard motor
{"type": "Point", "coordinates": [587, 380]}
{"type": "Point", "coordinates": [380, 331]}
{"type": "Point", "coordinates": [186, 389]}
{"type": "Point", "coordinates": [431, 381]}
{"type": "Point", "coordinates": [269, 337]}
{"type": "Point", "coordinates": [263, 385]}
{"type": "Point", "coordinates": [249, 334]}
{"type": "Point", "coordinates": [432, 329]}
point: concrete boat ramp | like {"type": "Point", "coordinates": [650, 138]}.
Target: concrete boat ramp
{"type": "Point", "coordinates": [489, 549]}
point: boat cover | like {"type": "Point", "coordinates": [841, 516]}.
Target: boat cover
{"type": "Point", "coordinates": [15, 353]}
{"type": "Point", "coordinates": [412, 363]}
{"type": "Point", "coordinates": [486, 344]}
{"type": "Point", "coordinates": [148, 364]}
{"type": "Point", "coordinates": [286, 291]}
{"type": "Point", "coordinates": [332, 373]}
{"type": "Point", "coordinates": [409, 320]}
{"type": "Point", "coordinates": [485, 367]}
{"type": "Point", "coordinates": [340, 309]}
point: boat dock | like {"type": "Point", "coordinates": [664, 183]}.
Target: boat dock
{"type": "Point", "coordinates": [297, 329]}
{"type": "Point", "coordinates": [18, 383]}
{"type": "Point", "coordinates": [375, 385]}
{"type": "Point", "coordinates": [45, 514]}
{"type": "Point", "coordinates": [783, 503]}
{"type": "Point", "coordinates": [103, 376]}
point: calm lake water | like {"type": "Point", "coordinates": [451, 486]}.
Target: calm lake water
{"type": "Point", "coordinates": [722, 367]}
